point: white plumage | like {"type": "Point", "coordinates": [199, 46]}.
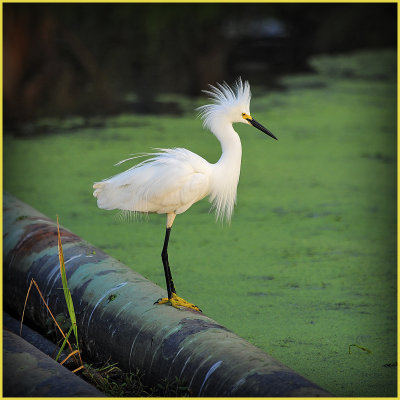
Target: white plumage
{"type": "Point", "coordinates": [171, 180]}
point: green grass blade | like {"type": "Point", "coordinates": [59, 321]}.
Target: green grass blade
{"type": "Point", "coordinates": [67, 292]}
{"type": "Point", "coordinates": [64, 343]}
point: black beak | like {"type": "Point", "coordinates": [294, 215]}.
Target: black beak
{"type": "Point", "coordinates": [261, 128]}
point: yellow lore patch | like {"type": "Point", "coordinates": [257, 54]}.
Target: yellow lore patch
{"type": "Point", "coordinates": [247, 116]}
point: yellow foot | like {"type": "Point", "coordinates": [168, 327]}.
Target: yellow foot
{"type": "Point", "coordinates": [177, 302]}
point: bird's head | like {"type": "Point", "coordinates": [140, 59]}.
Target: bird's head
{"type": "Point", "coordinates": [230, 105]}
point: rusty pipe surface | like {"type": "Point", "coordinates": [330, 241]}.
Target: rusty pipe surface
{"type": "Point", "coordinates": [29, 372]}
{"type": "Point", "coordinates": [117, 319]}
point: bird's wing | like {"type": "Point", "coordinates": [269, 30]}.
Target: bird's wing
{"type": "Point", "coordinates": [171, 181]}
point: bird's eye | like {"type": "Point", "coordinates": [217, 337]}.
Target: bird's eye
{"type": "Point", "coordinates": [243, 114]}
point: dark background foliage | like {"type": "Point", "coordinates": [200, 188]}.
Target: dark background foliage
{"type": "Point", "coordinates": [84, 59]}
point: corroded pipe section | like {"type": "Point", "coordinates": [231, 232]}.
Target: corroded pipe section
{"type": "Point", "coordinates": [117, 318]}
{"type": "Point", "coordinates": [29, 372]}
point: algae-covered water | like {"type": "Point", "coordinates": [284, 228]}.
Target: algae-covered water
{"type": "Point", "coordinates": [307, 267]}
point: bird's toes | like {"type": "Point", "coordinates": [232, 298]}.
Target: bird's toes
{"type": "Point", "coordinates": [178, 302]}
{"type": "Point", "coordinates": [162, 300]}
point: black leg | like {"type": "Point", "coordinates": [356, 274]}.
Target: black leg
{"type": "Point", "coordinates": [167, 270]}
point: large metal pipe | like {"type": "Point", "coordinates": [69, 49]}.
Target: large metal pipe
{"type": "Point", "coordinates": [36, 339]}
{"type": "Point", "coordinates": [117, 319]}
{"type": "Point", "coordinates": [29, 372]}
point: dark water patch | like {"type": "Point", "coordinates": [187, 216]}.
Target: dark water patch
{"type": "Point", "coordinates": [318, 214]}
{"type": "Point", "coordinates": [293, 286]}
{"type": "Point", "coordinates": [257, 294]}
{"type": "Point", "coordinates": [257, 277]}
{"type": "Point", "coordinates": [391, 365]}
{"type": "Point", "coordinates": [280, 211]}
{"type": "Point", "coordinates": [340, 306]}
{"type": "Point", "coordinates": [384, 158]}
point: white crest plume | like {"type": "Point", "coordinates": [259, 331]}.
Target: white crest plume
{"type": "Point", "coordinates": [225, 99]}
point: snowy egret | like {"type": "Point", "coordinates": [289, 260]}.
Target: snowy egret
{"type": "Point", "coordinates": [171, 180]}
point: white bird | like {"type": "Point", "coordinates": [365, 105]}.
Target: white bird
{"type": "Point", "coordinates": [174, 179]}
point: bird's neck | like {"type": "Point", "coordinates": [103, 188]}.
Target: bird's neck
{"type": "Point", "coordinates": [226, 171]}
{"type": "Point", "coordinates": [231, 147]}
